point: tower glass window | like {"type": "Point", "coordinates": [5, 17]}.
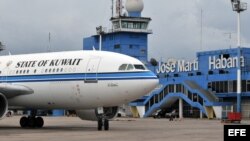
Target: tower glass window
{"type": "Point", "coordinates": [124, 24]}
{"type": "Point", "coordinates": [116, 25]}
{"type": "Point", "coordinates": [130, 25]}
{"type": "Point", "coordinates": [143, 25]}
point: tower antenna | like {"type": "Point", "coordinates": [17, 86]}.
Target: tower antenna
{"type": "Point", "coordinates": [119, 8]}
{"type": "Point", "coordinates": [112, 8]}
{"type": "Point", "coordinates": [201, 40]}
{"type": "Point", "coordinates": [49, 47]}
{"type": "Point", "coordinates": [230, 38]}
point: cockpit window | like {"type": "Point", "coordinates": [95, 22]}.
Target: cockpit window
{"type": "Point", "coordinates": [130, 67]}
{"type": "Point", "coordinates": [123, 67]}
{"type": "Point", "coordinates": [139, 67]}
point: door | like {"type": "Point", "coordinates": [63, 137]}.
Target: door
{"type": "Point", "coordinates": [91, 75]}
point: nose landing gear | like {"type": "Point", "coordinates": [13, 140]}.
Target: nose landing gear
{"type": "Point", "coordinates": [102, 122]}
{"type": "Point", "coordinates": [102, 119]}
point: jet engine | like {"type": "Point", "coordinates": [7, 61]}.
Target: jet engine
{"type": "Point", "coordinates": [92, 114]}
{"type": "Point", "coordinates": [3, 105]}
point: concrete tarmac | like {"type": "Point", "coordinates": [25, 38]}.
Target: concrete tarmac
{"type": "Point", "coordinates": [121, 129]}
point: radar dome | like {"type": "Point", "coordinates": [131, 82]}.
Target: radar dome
{"type": "Point", "coordinates": [134, 5]}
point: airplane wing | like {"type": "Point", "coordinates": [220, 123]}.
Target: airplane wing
{"type": "Point", "coordinates": [12, 90]}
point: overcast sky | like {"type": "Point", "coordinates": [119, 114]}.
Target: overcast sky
{"type": "Point", "coordinates": [176, 24]}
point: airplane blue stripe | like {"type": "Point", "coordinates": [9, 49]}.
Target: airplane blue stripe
{"type": "Point", "coordinates": [80, 76]}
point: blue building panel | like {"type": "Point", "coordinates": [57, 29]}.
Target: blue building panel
{"type": "Point", "coordinates": [133, 44]}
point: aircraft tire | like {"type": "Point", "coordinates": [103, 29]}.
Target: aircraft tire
{"type": "Point", "coordinates": [39, 122]}
{"type": "Point", "coordinates": [100, 123]}
{"type": "Point", "coordinates": [31, 122]}
{"type": "Point", "coordinates": [106, 124]}
{"type": "Point", "coordinates": [24, 122]}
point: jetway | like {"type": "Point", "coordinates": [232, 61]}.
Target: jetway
{"type": "Point", "coordinates": [188, 91]}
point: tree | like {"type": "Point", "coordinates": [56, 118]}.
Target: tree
{"type": "Point", "coordinates": [153, 62]}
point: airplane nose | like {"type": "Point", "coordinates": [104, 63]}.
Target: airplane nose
{"type": "Point", "coordinates": [148, 85]}
{"type": "Point", "coordinates": [142, 87]}
{"type": "Point", "coordinates": [152, 83]}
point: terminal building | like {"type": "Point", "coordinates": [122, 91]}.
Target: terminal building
{"type": "Point", "coordinates": [203, 87]}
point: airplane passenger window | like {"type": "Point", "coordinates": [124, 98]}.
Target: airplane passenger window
{"type": "Point", "coordinates": [35, 71]}
{"type": "Point", "coordinates": [46, 70]}
{"type": "Point", "coordinates": [70, 69]}
{"type": "Point", "coordinates": [123, 67]}
{"type": "Point", "coordinates": [54, 70]}
{"type": "Point", "coordinates": [17, 72]}
{"type": "Point", "coordinates": [57, 70]}
{"type": "Point", "coordinates": [139, 67]}
{"type": "Point", "coordinates": [28, 71]}
{"type": "Point", "coordinates": [61, 69]}
{"type": "Point", "coordinates": [130, 67]}
{"type": "Point", "coordinates": [24, 71]}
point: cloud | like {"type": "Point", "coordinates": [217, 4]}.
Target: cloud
{"type": "Point", "coordinates": [177, 27]}
{"type": "Point", "coordinates": [25, 25]}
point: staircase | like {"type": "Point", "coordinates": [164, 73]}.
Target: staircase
{"type": "Point", "coordinates": [205, 93]}
{"type": "Point", "coordinates": [167, 95]}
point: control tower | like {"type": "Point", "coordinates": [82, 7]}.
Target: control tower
{"type": "Point", "coordinates": [128, 34]}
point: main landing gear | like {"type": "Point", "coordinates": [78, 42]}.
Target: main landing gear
{"type": "Point", "coordinates": [31, 121]}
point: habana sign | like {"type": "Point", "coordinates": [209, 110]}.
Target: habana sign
{"type": "Point", "coordinates": [224, 63]}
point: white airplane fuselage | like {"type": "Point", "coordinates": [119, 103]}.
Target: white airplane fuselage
{"type": "Point", "coordinates": [75, 79]}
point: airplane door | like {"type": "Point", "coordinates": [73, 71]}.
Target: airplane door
{"type": "Point", "coordinates": [5, 71]}
{"type": "Point", "coordinates": [92, 70]}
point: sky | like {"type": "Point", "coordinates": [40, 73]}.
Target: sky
{"type": "Point", "coordinates": [25, 25]}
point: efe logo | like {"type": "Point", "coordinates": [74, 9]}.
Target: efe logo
{"type": "Point", "coordinates": [239, 132]}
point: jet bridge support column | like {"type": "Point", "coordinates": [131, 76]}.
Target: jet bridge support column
{"type": "Point", "coordinates": [201, 114]}
{"type": "Point", "coordinates": [180, 108]}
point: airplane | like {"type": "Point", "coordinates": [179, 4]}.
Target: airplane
{"type": "Point", "coordinates": [93, 83]}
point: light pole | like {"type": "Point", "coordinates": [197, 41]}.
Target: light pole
{"type": "Point", "coordinates": [100, 32]}
{"type": "Point", "coordinates": [239, 7]}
